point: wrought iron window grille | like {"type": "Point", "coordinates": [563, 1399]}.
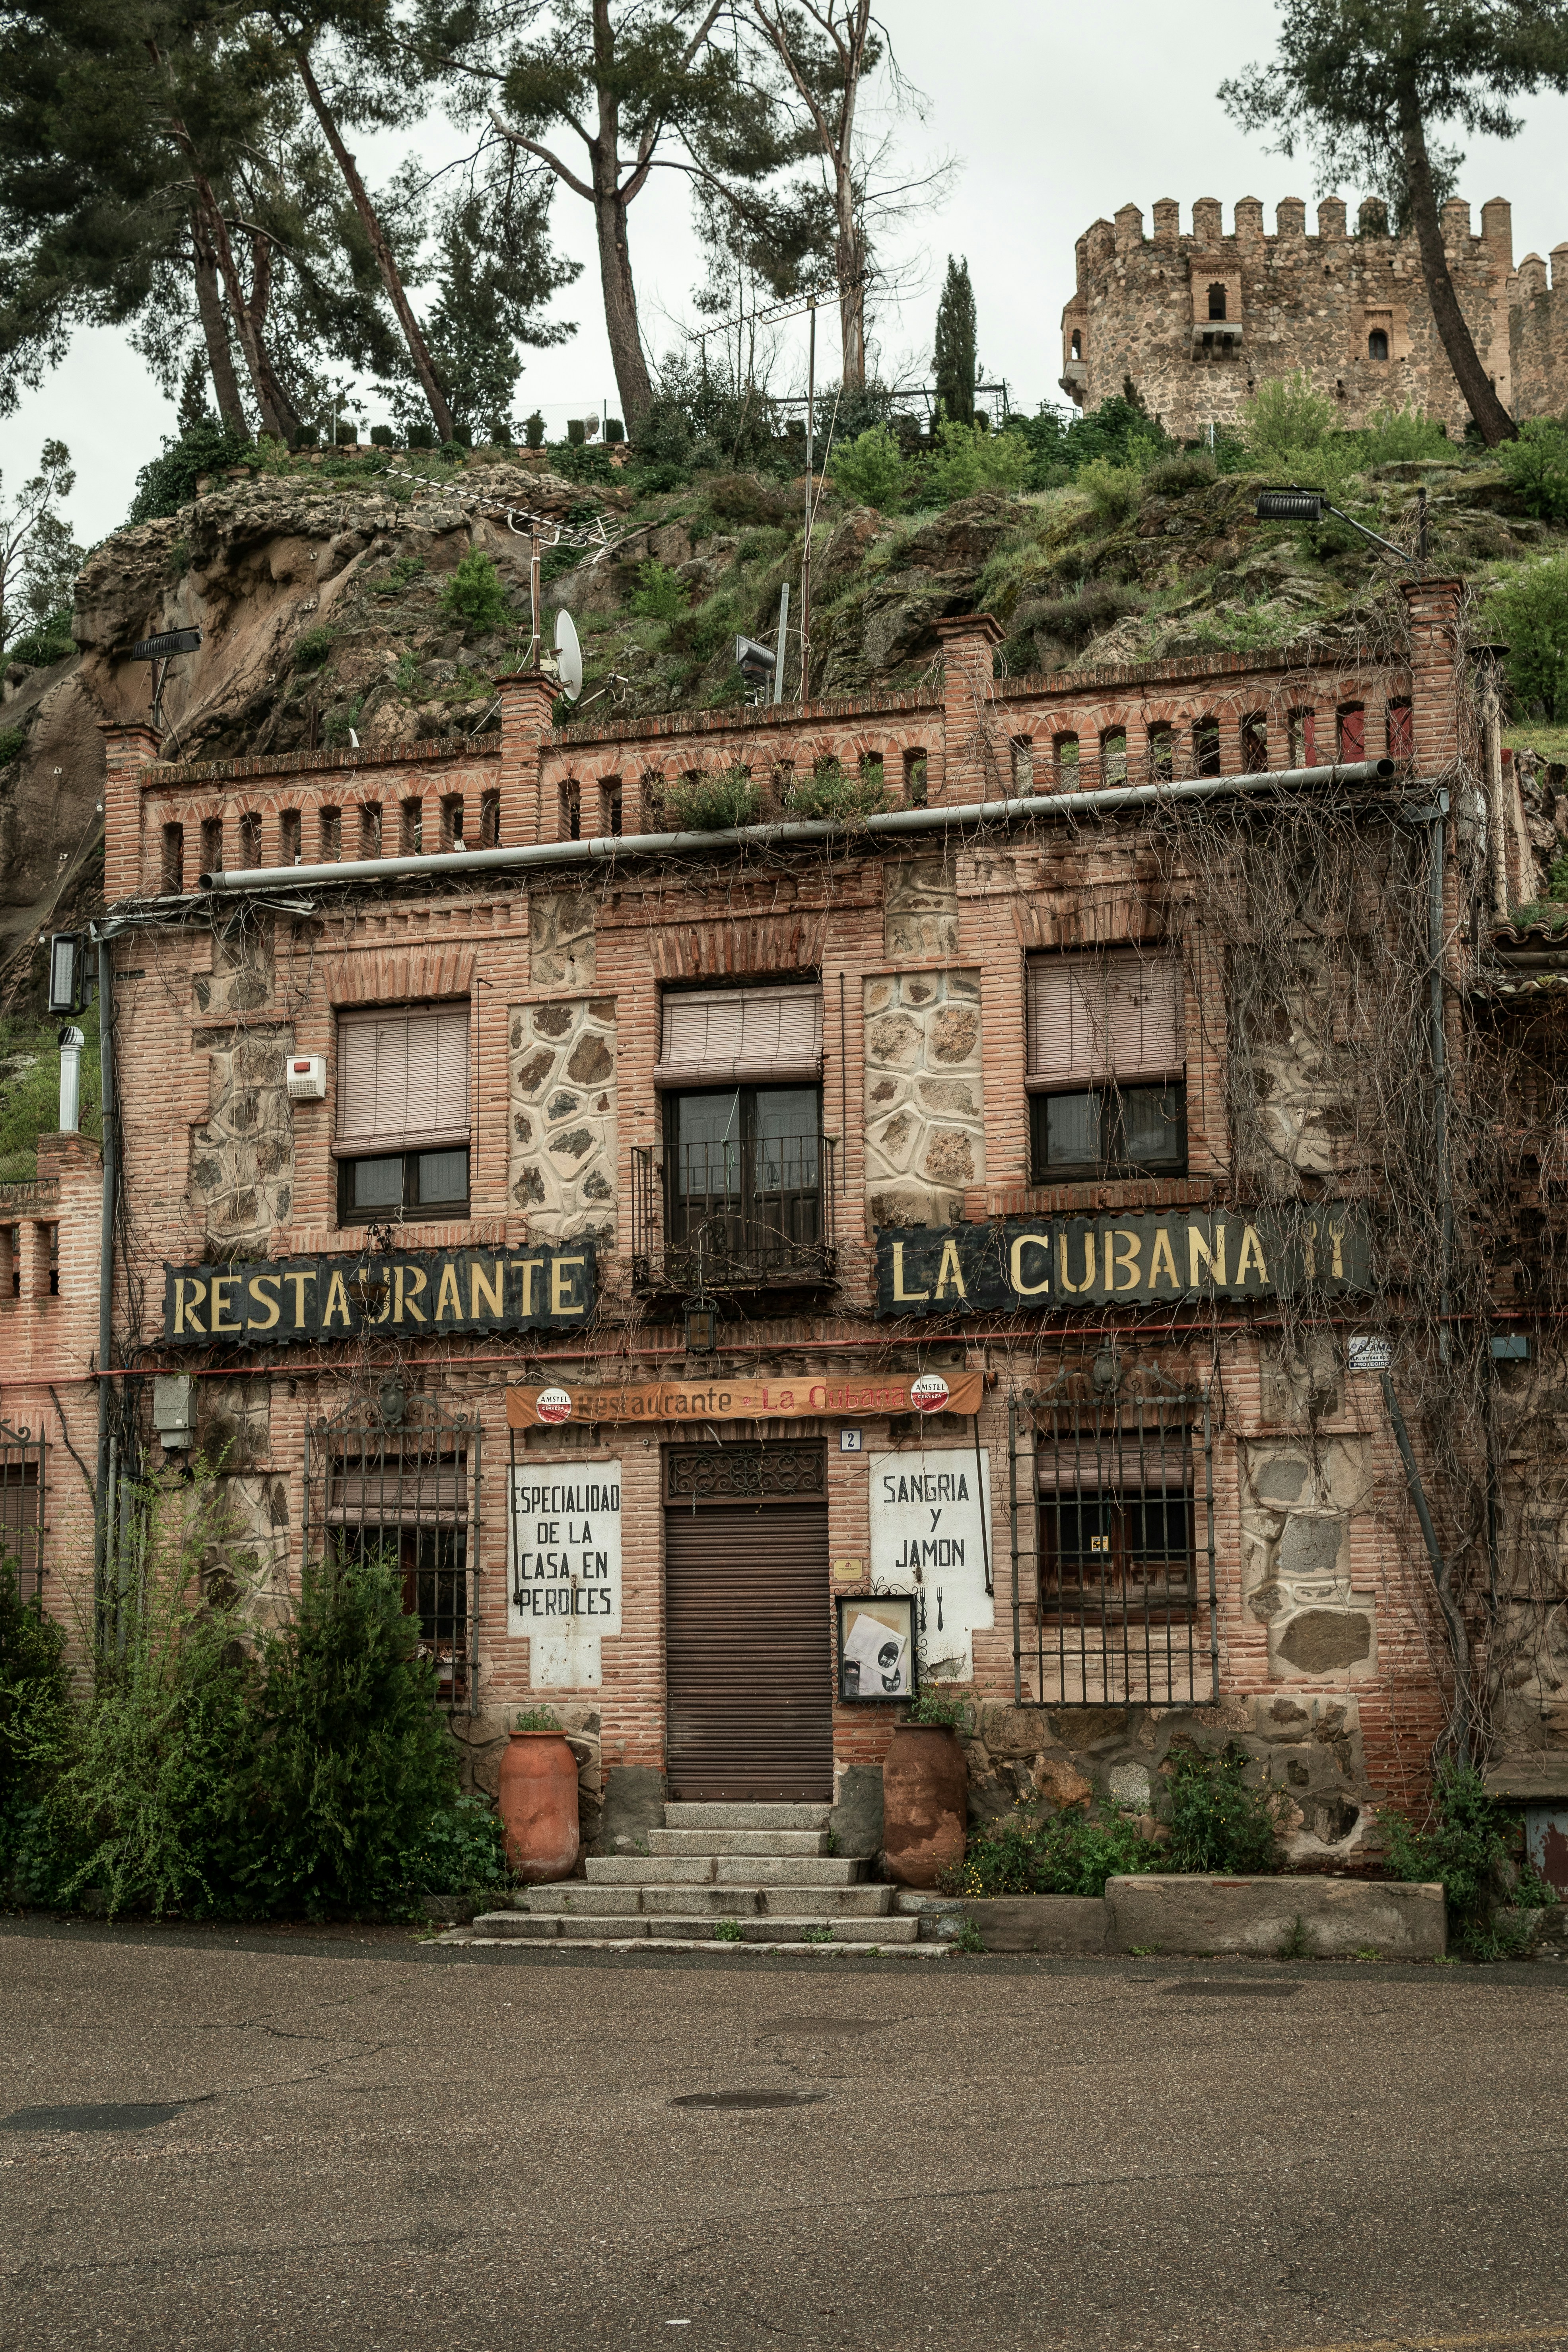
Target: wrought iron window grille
{"type": "Point", "coordinates": [22, 1488]}
{"type": "Point", "coordinates": [735, 1214]}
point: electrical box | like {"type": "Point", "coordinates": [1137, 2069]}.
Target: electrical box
{"type": "Point", "coordinates": [308, 1077]}
{"type": "Point", "coordinates": [174, 1411]}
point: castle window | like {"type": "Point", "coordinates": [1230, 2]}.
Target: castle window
{"type": "Point", "coordinates": [291, 826]}
{"type": "Point", "coordinates": [1205, 747]}
{"type": "Point", "coordinates": [212, 844]}
{"type": "Point", "coordinates": [452, 821]}
{"type": "Point", "coordinates": [489, 821]}
{"type": "Point", "coordinates": [1113, 756]}
{"type": "Point", "coordinates": [570, 810]}
{"type": "Point", "coordinates": [250, 839]}
{"type": "Point", "coordinates": [610, 805]}
{"type": "Point", "coordinates": [1162, 754]}
{"type": "Point", "coordinates": [1064, 751]}
{"type": "Point", "coordinates": [1023, 764]}
{"type": "Point", "coordinates": [1353, 732]}
{"type": "Point", "coordinates": [370, 829]}
{"type": "Point", "coordinates": [915, 778]}
{"type": "Point", "coordinates": [332, 835]}
{"type": "Point", "coordinates": [1076, 344]}
{"type": "Point", "coordinates": [174, 860]}
{"type": "Point", "coordinates": [413, 828]}
{"type": "Point", "coordinates": [1303, 726]}
{"type": "Point", "coordinates": [1216, 301]}
{"type": "Point", "coordinates": [1400, 732]}
{"type": "Point", "coordinates": [1255, 743]}
{"type": "Point", "coordinates": [1377, 345]}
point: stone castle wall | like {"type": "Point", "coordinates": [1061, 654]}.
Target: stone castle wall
{"type": "Point", "coordinates": [1197, 321]}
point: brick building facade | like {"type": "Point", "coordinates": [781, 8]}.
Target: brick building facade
{"type": "Point", "coordinates": [433, 1175]}
{"type": "Point", "coordinates": [1198, 320]}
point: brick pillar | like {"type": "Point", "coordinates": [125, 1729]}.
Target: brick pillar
{"type": "Point", "coordinates": [527, 702]}
{"type": "Point", "coordinates": [976, 765]}
{"type": "Point", "coordinates": [1433, 607]}
{"type": "Point", "coordinates": [127, 750]}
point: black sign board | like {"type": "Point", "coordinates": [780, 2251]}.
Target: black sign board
{"type": "Point", "coordinates": [439, 1294]}
{"type": "Point", "coordinates": [1156, 1260]}
{"type": "Point", "coordinates": [173, 641]}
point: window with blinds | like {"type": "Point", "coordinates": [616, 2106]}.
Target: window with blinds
{"type": "Point", "coordinates": [749, 1036]}
{"type": "Point", "coordinates": [402, 1142]}
{"type": "Point", "coordinates": [1105, 1064]}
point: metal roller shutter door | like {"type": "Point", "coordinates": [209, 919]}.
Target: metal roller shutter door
{"type": "Point", "coordinates": [750, 1673]}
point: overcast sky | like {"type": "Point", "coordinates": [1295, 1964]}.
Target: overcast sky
{"type": "Point", "coordinates": [1055, 115]}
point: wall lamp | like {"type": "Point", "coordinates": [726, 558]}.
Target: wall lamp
{"type": "Point", "coordinates": [1311, 506]}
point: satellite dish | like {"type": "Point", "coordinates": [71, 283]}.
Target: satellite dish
{"type": "Point", "coordinates": [568, 657]}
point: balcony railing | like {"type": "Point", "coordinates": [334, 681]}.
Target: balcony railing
{"type": "Point", "coordinates": [711, 1216]}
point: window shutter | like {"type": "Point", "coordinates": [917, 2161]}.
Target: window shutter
{"type": "Point", "coordinates": [403, 1081]}
{"type": "Point", "coordinates": [1113, 1015]}
{"type": "Point", "coordinates": [742, 1036]}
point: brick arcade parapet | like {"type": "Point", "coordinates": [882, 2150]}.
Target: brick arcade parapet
{"type": "Point", "coordinates": [1198, 320]}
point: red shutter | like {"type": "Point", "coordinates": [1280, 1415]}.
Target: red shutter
{"type": "Point", "coordinates": [1115, 1015]}
{"type": "Point", "coordinates": [751, 1036]}
{"type": "Point", "coordinates": [1400, 732]}
{"type": "Point", "coordinates": [402, 1080]}
{"type": "Point", "coordinates": [1353, 735]}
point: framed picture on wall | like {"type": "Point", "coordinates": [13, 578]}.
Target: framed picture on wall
{"type": "Point", "coordinates": [877, 1646]}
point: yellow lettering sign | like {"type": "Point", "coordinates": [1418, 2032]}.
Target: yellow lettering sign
{"type": "Point", "coordinates": [1161, 1260]}
{"type": "Point", "coordinates": [299, 1281]}
{"type": "Point", "coordinates": [1088, 1249]}
{"type": "Point", "coordinates": [1016, 1265]}
{"type": "Point", "coordinates": [1122, 1260]}
{"type": "Point", "coordinates": [949, 1273]}
{"type": "Point", "coordinates": [1212, 1258]}
{"type": "Point", "coordinates": [189, 1294]}
{"type": "Point", "coordinates": [908, 1296]}
{"type": "Point", "coordinates": [218, 1303]}
{"type": "Point", "coordinates": [258, 1284]}
{"type": "Point", "coordinates": [1251, 1257]}
{"type": "Point", "coordinates": [560, 1302]}
{"type": "Point", "coordinates": [447, 1289]}
{"type": "Point", "coordinates": [492, 1297]}
{"type": "Point", "coordinates": [337, 1302]}
{"type": "Point", "coordinates": [529, 1268]}
{"type": "Point", "coordinates": [411, 1281]}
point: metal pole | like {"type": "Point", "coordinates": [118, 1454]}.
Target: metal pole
{"type": "Point", "coordinates": [806, 549]}
{"type": "Point", "coordinates": [783, 640]}
{"type": "Point", "coordinates": [71, 1043]}
{"type": "Point", "coordinates": [533, 599]}
{"type": "Point", "coordinates": [1013, 1525]}
{"type": "Point", "coordinates": [1439, 1064]}
{"type": "Point", "coordinates": [109, 1204]}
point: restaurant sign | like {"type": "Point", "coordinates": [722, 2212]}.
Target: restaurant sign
{"type": "Point", "coordinates": [1062, 1263]}
{"type": "Point", "coordinates": [794, 1396]}
{"type": "Point", "coordinates": [445, 1294]}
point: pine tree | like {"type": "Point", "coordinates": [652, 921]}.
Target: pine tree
{"type": "Point", "coordinates": [954, 354]}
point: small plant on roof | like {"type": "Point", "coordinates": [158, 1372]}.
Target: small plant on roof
{"type": "Point", "coordinates": [715, 801]}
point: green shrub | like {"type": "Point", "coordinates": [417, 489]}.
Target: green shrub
{"type": "Point", "coordinates": [1535, 467]}
{"type": "Point", "coordinates": [1173, 477]}
{"type": "Point", "coordinates": [35, 1708]}
{"type": "Point", "coordinates": [382, 436]}
{"type": "Point", "coordinates": [833, 792]}
{"type": "Point", "coordinates": [476, 595]}
{"type": "Point", "coordinates": [1399, 436]}
{"type": "Point", "coordinates": [1112, 491]}
{"type": "Point", "coordinates": [582, 461]}
{"type": "Point", "coordinates": [971, 460]}
{"type": "Point", "coordinates": [614, 431]}
{"type": "Point", "coordinates": [1284, 417]}
{"type": "Point", "coordinates": [421, 436]}
{"type": "Point", "coordinates": [1529, 607]}
{"type": "Point", "coordinates": [871, 470]}
{"type": "Point", "coordinates": [13, 744]}
{"type": "Point", "coordinates": [1070, 1852]}
{"type": "Point", "coordinates": [934, 1709]}
{"type": "Point", "coordinates": [311, 650]}
{"type": "Point", "coordinates": [1462, 1847]}
{"type": "Point", "coordinates": [712, 801]}
{"type": "Point", "coordinates": [358, 1764]}
{"type": "Point", "coordinates": [462, 1849]}
{"type": "Point", "coordinates": [50, 641]}
{"type": "Point", "coordinates": [659, 594]}
{"type": "Point", "coordinates": [1216, 1820]}
{"type": "Point", "coordinates": [169, 482]}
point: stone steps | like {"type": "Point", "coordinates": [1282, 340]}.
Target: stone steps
{"type": "Point", "coordinates": [724, 1870]}
{"type": "Point", "coordinates": [746, 1817]}
{"type": "Point", "coordinates": [732, 1841]}
{"type": "Point", "coordinates": [591, 1902]}
{"type": "Point", "coordinates": [804, 1932]}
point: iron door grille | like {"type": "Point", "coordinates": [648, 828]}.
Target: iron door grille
{"type": "Point", "coordinates": [410, 1495]}
{"type": "Point", "coordinates": [21, 1491]}
{"type": "Point", "coordinates": [1124, 1602]}
{"type": "Point", "coordinates": [748, 1625]}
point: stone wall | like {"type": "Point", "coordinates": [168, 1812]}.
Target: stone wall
{"type": "Point", "coordinates": [242, 1153]}
{"type": "Point", "coordinates": [1291, 301]}
{"type": "Point", "coordinates": [919, 910]}
{"type": "Point", "coordinates": [562, 1136]}
{"type": "Point", "coordinates": [1297, 1502]}
{"type": "Point", "coordinates": [925, 1129]}
{"type": "Point", "coordinates": [560, 938]}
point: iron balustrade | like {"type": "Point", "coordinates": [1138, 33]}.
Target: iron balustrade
{"type": "Point", "coordinates": [728, 1215]}
{"type": "Point", "coordinates": [408, 1494]}
{"type": "Point", "coordinates": [1122, 1512]}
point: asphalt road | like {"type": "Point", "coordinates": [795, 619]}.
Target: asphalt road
{"type": "Point", "coordinates": [373, 2147]}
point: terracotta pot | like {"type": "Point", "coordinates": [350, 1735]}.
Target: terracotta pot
{"type": "Point", "coordinates": [925, 1788]}
{"type": "Point", "coordinates": [537, 1798]}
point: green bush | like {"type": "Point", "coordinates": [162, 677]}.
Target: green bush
{"type": "Point", "coordinates": [834, 793]}
{"type": "Point", "coordinates": [1216, 1820]}
{"type": "Point", "coordinates": [30, 1091]}
{"type": "Point", "coordinates": [382, 436]}
{"type": "Point", "coordinates": [35, 1708]}
{"type": "Point", "coordinates": [1070, 1852]}
{"type": "Point", "coordinates": [421, 436]}
{"type": "Point", "coordinates": [1529, 607]}
{"type": "Point", "coordinates": [1400, 436]}
{"type": "Point", "coordinates": [659, 594]}
{"type": "Point", "coordinates": [462, 1849]}
{"type": "Point", "coordinates": [169, 482]}
{"type": "Point", "coordinates": [1173, 477]}
{"type": "Point", "coordinates": [476, 595]}
{"type": "Point", "coordinates": [50, 641]}
{"type": "Point", "coordinates": [311, 650]}
{"type": "Point", "coordinates": [1463, 1848]}
{"type": "Point", "coordinates": [13, 744]}
{"type": "Point", "coordinates": [1535, 467]}
{"type": "Point", "coordinates": [614, 431]}
{"type": "Point", "coordinates": [971, 460]}
{"type": "Point", "coordinates": [1112, 491]}
{"type": "Point", "coordinates": [582, 461]}
{"type": "Point", "coordinates": [937, 1711]}
{"type": "Point", "coordinates": [871, 470]}
{"type": "Point", "coordinates": [715, 801]}
{"type": "Point", "coordinates": [1286, 416]}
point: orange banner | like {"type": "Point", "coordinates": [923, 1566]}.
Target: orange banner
{"type": "Point", "coordinates": [832, 1396]}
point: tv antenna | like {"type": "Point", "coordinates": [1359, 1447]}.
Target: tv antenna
{"type": "Point", "coordinates": [160, 651]}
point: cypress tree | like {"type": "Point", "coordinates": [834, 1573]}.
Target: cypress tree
{"type": "Point", "coordinates": [954, 355]}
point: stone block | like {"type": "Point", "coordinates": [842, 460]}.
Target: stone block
{"type": "Point", "coordinates": [822, 1901]}
{"type": "Point", "coordinates": [856, 1820]}
{"type": "Point", "coordinates": [1338, 1917]}
{"type": "Point", "coordinates": [1069, 1925]}
{"type": "Point", "coordinates": [1129, 1787]}
{"type": "Point", "coordinates": [745, 1817]}
{"type": "Point", "coordinates": [738, 1841]}
{"type": "Point", "coordinates": [1325, 1640]}
{"type": "Point", "coordinates": [633, 1804]}
{"type": "Point", "coordinates": [785, 1870]}
{"type": "Point", "coordinates": [649, 1870]}
{"type": "Point", "coordinates": [1007, 1730]}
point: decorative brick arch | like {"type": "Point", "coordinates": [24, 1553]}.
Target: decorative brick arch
{"type": "Point", "coordinates": [400, 975]}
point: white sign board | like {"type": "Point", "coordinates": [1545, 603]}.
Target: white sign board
{"type": "Point", "coordinates": [564, 1560]}
{"type": "Point", "coordinates": [1366, 1353]}
{"type": "Point", "coordinates": [930, 1527]}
